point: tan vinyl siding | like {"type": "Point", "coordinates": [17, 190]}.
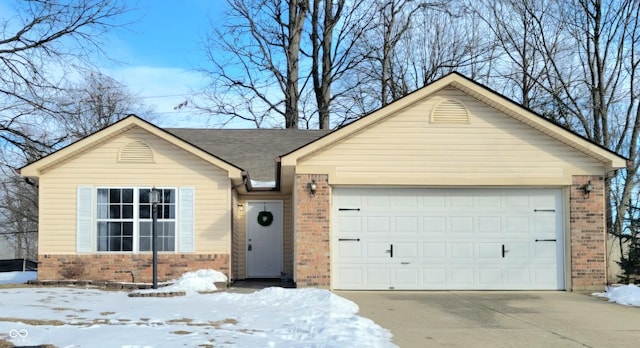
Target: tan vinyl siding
{"type": "Point", "coordinates": [492, 149]}
{"type": "Point", "coordinates": [99, 166]}
{"type": "Point", "coordinates": [287, 236]}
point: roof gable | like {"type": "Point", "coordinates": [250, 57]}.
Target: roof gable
{"type": "Point", "coordinates": [483, 94]}
{"type": "Point", "coordinates": [37, 168]}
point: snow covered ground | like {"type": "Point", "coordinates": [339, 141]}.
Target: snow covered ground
{"type": "Point", "coordinates": [273, 317]}
{"type": "Point", "coordinates": [626, 294]}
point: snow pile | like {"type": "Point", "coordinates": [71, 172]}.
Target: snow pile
{"type": "Point", "coordinates": [627, 295]}
{"type": "Point", "coordinates": [199, 281]}
{"type": "Point", "coordinates": [193, 282]}
{"type": "Point", "coordinates": [273, 317]}
{"type": "Point", "coordinates": [17, 277]}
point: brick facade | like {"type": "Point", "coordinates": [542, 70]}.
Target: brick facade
{"type": "Point", "coordinates": [587, 234]}
{"type": "Point", "coordinates": [136, 268]}
{"type": "Point", "coordinates": [312, 218]}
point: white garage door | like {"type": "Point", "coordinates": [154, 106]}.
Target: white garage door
{"type": "Point", "coordinates": [447, 239]}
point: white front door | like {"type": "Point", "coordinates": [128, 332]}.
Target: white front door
{"type": "Point", "coordinates": [447, 239]}
{"type": "Point", "coordinates": [264, 239]}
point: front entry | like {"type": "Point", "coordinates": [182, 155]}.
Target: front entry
{"type": "Point", "coordinates": [264, 239]}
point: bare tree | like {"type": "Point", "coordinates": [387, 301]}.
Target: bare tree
{"type": "Point", "coordinates": [95, 103]}
{"type": "Point", "coordinates": [337, 28]}
{"type": "Point", "coordinates": [37, 45]}
{"type": "Point", "coordinates": [255, 57]}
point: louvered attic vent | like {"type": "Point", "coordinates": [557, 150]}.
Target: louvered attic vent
{"type": "Point", "coordinates": [136, 152]}
{"type": "Point", "coordinates": [450, 111]}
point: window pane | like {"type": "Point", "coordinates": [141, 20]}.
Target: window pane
{"type": "Point", "coordinates": [127, 244]}
{"type": "Point", "coordinates": [127, 211]}
{"type": "Point", "coordinates": [127, 229]}
{"type": "Point", "coordinates": [144, 195]}
{"type": "Point", "coordinates": [115, 229]}
{"type": "Point", "coordinates": [169, 196]}
{"type": "Point", "coordinates": [114, 196]}
{"type": "Point", "coordinates": [145, 212]}
{"type": "Point", "coordinates": [170, 245]}
{"type": "Point", "coordinates": [127, 196]}
{"type": "Point", "coordinates": [114, 211]}
{"type": "Point", "coordinates": [145, 228]}
{"type": "Point", "coordinates": [102, 244]}
{"type": "Point", "coordinates": [145, 244]}
{"type": "Point", "coordinates": [172, 212]}
{"type": "Point", "coordinates": [115, 244]}
{"type": "Point", "coordinates": [103, 196]}
{"type": "Point", "coordinates": [102, 229]}
{"type": "Point", "coordinates": [103, 211]}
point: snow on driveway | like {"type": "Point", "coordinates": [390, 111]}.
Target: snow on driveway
{"type": "Point", "coordinates": [628, 295]}
{"type": "Point", "coordinates": [273, 317]}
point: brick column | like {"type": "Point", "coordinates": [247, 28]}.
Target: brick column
{"type": "Point", "coordinates": [312, 223]}
{"type": "Point", "coordinates": [588, 234]}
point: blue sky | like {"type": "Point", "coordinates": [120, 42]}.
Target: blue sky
{"type": "Point", "coordinates": [159, 51]}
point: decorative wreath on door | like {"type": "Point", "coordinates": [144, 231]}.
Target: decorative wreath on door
{"type": "Point", "coordinates": [265, 218]}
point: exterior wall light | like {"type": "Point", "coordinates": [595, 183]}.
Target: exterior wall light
{"type": "Point", "coordinates": [240, 207]}
{"type": "Point", "coordinates": [588, 187]}
{"type": "Point", "coordinates": [313, 187]}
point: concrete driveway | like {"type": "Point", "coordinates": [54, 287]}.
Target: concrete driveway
{"type": "Point", "coordinates": [499, 319]}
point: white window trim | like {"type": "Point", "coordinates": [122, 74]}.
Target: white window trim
{"type": "Point", "coordinates": [136, 220]}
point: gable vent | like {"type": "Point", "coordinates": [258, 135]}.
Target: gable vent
{"type": "Point", "coordinates": [136, 152]}
{"type": "Point", "coordinates": [450, 111]}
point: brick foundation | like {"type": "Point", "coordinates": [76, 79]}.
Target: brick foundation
{"type": "Point", "coordinates": [312, 216]}
{"type": "Point", "coordinates": [587, 234]}
{"type": "Point", "coordinates": [126, 267]}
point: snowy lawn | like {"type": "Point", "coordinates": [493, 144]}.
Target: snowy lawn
{"type": "Point", "coordinates": [626, 294]}
{"type": "Point", "coordinates": [273, 317]}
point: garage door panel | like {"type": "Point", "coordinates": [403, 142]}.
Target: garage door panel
{"type": "Point", "coordinates": [517, 224]}
{"type": "Point", "coordinates": [489, 251]}
{"type": "Point", "coordinates": [434, 251]}
{"type": "Point", "coordinates": [488, 277]}
{"type": "Point", "coordinates": [377, 225]}
{"type": "Point", "coordinates": [489, 224]}
{"type": "Point", "coordinates": [517, 251]}
{"type": "Point", "coordinates": [405, 201]}
{"type": "Point", "coordinates": [461, 251]}
{"type": "Point", "coordinates": [434, 278]}
{"type": "Point", "coordinates": [407, 277]}
{"type": "Point", "coordinates": [461, 278]}
{"type": "Point", "coordinates": [448, 238]}
{"type": "Point", "coordinates": [349, 250]}
{"type": "Point", "coordinates": [459, 200]}
{"type": "Point", "coordinates": [377, 202]}
{"type": "Point", "coordinates": [377, 251]}
{"type": "Point", "coordinates": [406, 250]}
{"type": "Point", "coordinates": [434, 201]}
{"type": "Point", "coordinates": [545, 251]}
{"type": "Point", "coordinates": [378, 276]}
{"type": "Point", "coordinates": [461, 224]}
{"type": "Point", "coordinates": [406, 225]}
{"type": "Point", "coordinates": [350, 277]}
{"type": "Point", "coordinates": [434, 224]}
{"type": "Point", "coordinates": [518, 276]}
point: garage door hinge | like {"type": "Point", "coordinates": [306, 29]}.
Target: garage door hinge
{"type": "Point", "coordinates": [348, 209]}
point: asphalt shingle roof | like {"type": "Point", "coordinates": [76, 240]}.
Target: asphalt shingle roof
{"type": "Point", "coordinates": [253, 150]}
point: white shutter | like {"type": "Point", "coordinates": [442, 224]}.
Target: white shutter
{"type": "Point", "coordinates": [84, 219]}
{"type": "Point", "coordinates": [186, 219]}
